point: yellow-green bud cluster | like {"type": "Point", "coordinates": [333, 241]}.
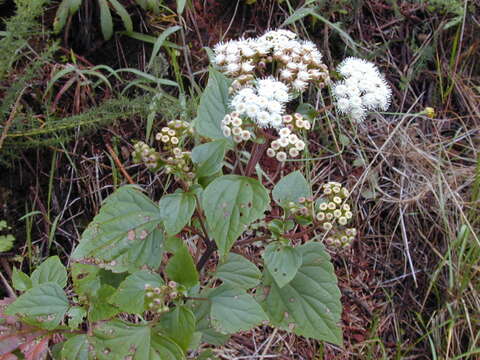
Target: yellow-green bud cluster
{"type": "Point", "coordinates": [341, 239]}
{"type": "Point", "coordinates": [171, 134]}
{"type": "Point", "coordinates": [158, 298]}
{"type": "Point", "coordinates": [143, 153]}
{"type": "Point", "coordinates": [304, 206]}
{"type": "Point", "coordinates": [288, 144]}
{"type": "Point", "coordinates": [232, 125]}
{"type": "Point", "coordinates": [296, 122]}
{"type": "Point", "coordinates": [178, 161]}
{"type": "Point", "coordinates": [334, 209]}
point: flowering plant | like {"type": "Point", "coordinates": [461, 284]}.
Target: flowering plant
{"type": "Point", "coordinates": [156, 280]}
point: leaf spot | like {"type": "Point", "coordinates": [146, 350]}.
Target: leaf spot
{"type": "Point", "coordinates": [131, 235]}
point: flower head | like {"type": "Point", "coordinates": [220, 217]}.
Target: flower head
{"type": "Point", "coordinates": [364, 88]}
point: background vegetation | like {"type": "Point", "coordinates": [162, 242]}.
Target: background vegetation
{"type": "Point", "coordinates": [77, 80]}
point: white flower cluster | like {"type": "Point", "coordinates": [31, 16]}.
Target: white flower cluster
{"type": "Point", "coordinates": [264, 104]}
{"type": "Point", "coordinates": [287, 143]}
{"type": "Point", "coordinates": [363, 88]}
{"type": "Point", "coordinates": [297, 62]}
{"type": "Point", "coordinates": [233, 125]}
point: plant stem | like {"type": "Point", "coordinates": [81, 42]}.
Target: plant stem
{"type": "Point", "coordinates": [211, 247]}
{"type": "Point", "coordinates": [257, 152]}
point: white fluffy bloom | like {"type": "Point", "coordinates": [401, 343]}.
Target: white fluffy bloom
{"type": "Point", "coordinates": [299, 85]}
{"type": "Point", "coordinates": [247, 66]}
{"type": "Point", "coordinates": [274, 106]}
{"type": "Point", "coordinates": [233, 68]}
{"type": "Point", "coordinates": [264, 103]}
{"type": "Point", "coordinates": [363, 88]}
{"type": "Point", "coordinates": [281, 94]}
{"type": "Point", "coordinates": [277, 37]}
{"type": "Point", "coordinates": [220, 59]}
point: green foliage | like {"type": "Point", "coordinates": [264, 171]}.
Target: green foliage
{"type": "Point", "coordinates": [51, 270]}
{"type": "Point", "coordinates": [176, 211]}
{"type": "Point", "coordinates": [234, 310]}
{"type": "Point", "coordinates": [291, 188]}
{"type": "Point", "coordinates": [181, 268]}
{"type": "Point", "coordinates": [44, 305]}
{"type": "Point", "coordinates": [143, 282]}
{"type": "Point", "coordinates": [238, 272]}
{"type": "Point", "coordinates": [213, 106]}
{"type": "Point", "coordinates": [130, 295]}
{"type": "Point", "coordinates": [125, 235]}
{"type": "Point", "coordinates": [231, 203]}
{"type": "Point", "coordinates": [70, 7]}
{"type": "Point", "coordinates": [282, 262]}
{"type": "Point", "coordinates": [179, 324]}
{"type": "Point", "coordinates": [6, 241]}
{"type": "Point", "coordinates": [117, 339]}
{"type": "Point", "coordinates": [209, 157]}
{"type": "Point", "coordinates": [25, 132]}
{"type": "Point", "coordinates": [20, 280]}
{"type": "Point", "coordinates": [291, 307]}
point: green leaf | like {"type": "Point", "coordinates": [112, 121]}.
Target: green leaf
{"type": "Point", "coordinates": [130, 295]}
{"type": "Point", "coordinates": [125, 235]}
{"type": "Point", "coordinates": [100, 308]}
{"type": "Point", "coordinates": [51, 270]}
{"type": "Point", "coordinates": [44, 305]}
{"type": "Point", "coordinates": [88, 279]}
{"type": "Point", "coordinates": [202, 311]}
{"type": "Point", "coordinates": [239, 272]}
{"type": "Point", "coordinates": [209, 157]}
{"type": "Point", "coordinates": [207, 355]}
{"type": "Point", "coordinates": [310, 303]}
{"type": "Point", "coordinates": [181, 6]}
{"type": "Point", "coordinates": [181, 268]}
{"type": "Point", "coordinates": [234, 310]}
{"type": "Point", "coordinates": [106, 22]}
{"type": "Point", "coordinates": [123, 13]}
{"type": "Point", "coordinates": [74, 5]}
{"type": "Point", "coordinates": [179, 325]}
{"type": "Point", "coordinates": [213, 106]}
{"type": "Point", "coordinates": [61, 16]}
{"type": "Point", "coordinates": [165, 349]}
{"type": "Point", "coordinates": [231, 203]}
{"type": "Point", "coordinates": [173, 244]}
{"type": "Point", "coordinates": [159, 42]}
{"type": "Point", "coordinates": [282, 262]}
{"type": "Point", "coordinates": [76, 348]}
{"type": "Point", "coordinates": [176, 211]}
{"type": "Point", "coordinates": [119, 340]}
{"type": "Point", "coordinates": [20, 280]}
{"type": "Point", "coordinates": [307, 11]}
{"type": "Point", "coordinates": [6, 242]}
{"type": "Point", "coordinates": [85, 279]}
{"type": "Point", "coordinates": [290, 188]}
{"type": "Point", "coordinates": [76, 315]}
{"type": "Point", "coordinates": [344, 140]}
